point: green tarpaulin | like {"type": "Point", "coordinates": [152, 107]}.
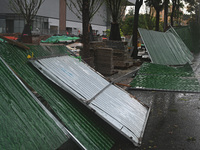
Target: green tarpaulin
{"type": "Point", "coordinates": [58, 39]}
{"type": "Point", "coordinates": [161, 77]}
{"type": "Point", "coordinates": [1, 40]}
{"type": "Point", "coordinates": [80, 121]}
{"type": "Point", "coordinates": [166, 48]}
{"type": "Point", "coordinates": [23, 123]}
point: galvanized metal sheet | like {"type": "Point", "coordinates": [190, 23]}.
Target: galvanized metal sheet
{"type": "Point", "coordinates": [165, 48]}
{"type": "Point", "coordinates": [113, 104]}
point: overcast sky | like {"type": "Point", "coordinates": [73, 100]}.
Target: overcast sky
{"type": "Point", "coordinates": [143, 9]}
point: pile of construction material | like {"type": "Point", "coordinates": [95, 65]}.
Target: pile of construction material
{"type": "Point", "coordinates": [121, 55]}
{"type": "Point", "coordinates": [109, 55]}
{"type": "Point", "coordinates": [104, 60]}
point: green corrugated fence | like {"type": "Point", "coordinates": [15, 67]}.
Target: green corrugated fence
{"type": "Point", "coordinates": [191, 36]}
{"type": "Point", "coordinates": [78, 119]}
{"type": "Point", "coordinates": [161, 77]}
{"type": "Point", "coordinates": [165, 48]}
{"type": "Point", "coordinates": [23, 123]}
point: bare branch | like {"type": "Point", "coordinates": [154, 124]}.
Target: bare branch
{"type": "Point", "coordinates": [117, 8]}
{"type": "Point", "coordinates": [76, 7]}
{"type": "Point", "coordinates": [27, 8]}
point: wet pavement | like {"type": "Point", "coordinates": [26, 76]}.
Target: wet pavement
{"type": "Point", "coordinates": [174, 121]}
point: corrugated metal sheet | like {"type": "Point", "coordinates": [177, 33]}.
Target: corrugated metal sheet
{"type": "Point", "coordinates": [80, 122]}
{"type": "Point", "coordinates": [114, 105]}
{"type": "Point", "coordinates": [161, 77]}
{"type": "Point", "coordinates": [185, 33]}
{"type": "Point", "coordinates": [190, 35]}
{"type": "Point", "coordinates": [165, 48]}
{"type": "Point", "coordinates": [24, 123]}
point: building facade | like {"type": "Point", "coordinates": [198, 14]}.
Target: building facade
{"type": "Point", "coordinates": [47, 20]}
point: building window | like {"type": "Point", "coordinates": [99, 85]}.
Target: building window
{"type": "Point", "coordinates": [41, 25]}
{"type": "Point", "coordinates": [18, 26]}
{"type": "Point", "coordinates": [2, 25]}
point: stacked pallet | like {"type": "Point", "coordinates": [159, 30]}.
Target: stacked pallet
{"type": "Point", "coordinates": [104, 60]}
{"type": "Point", "coordinates": [120, 58]}
{"type": "Point", "coordinates": [121, 55]}
{"type": "Point", "coordinates": [96, 44]}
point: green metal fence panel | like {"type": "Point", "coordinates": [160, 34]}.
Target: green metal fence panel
{"type": "Point", "coordinates": [23, 123]}
{"type": "Point", "coordinates": [161, 77]}
{"type": "Point", "coordinates": [190, 35]}
{"type": "Point", "coordinates": [185, 34]}
{"type": "Point", "coordinates": [77, 118]}
{"type": "Point", "coordinates": [165, 48]}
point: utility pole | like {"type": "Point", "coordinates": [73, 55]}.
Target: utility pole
{"type": "Point", "coordinates": [62, 17]}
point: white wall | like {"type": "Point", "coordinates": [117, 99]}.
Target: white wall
{"type": "Point", "coordinates": [50, 8]}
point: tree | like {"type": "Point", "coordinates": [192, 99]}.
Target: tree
{"type": "Point", "coordinates": [76, 6]}
{"type": "Point", "coordinates": [127, 25]}
{"type": "Point", "coordinates": [176, 13]}
{"type": "Point", "coordinates": [193, 8]}
{"type": "Point", "coordinates": [85, 20]}
{"type": "Point", "coordinates": [85, 9]}
{"type": "Point", "coordinates": [146, 21]}
{"type": "Point", "coordinates": [117, 9]}
{"type": "Point", "coordinates": [166, 6]}
{"type": "Point", "coordinates": [150, 20]}
{"type": "Point", "coordinates": [173, 10]}
{"type": "Point", "coordinates": [138, 4]}
{"type": "Point", "coordinates": [28, 9]}
{"type": "Point", "coordinates": [158, 6]}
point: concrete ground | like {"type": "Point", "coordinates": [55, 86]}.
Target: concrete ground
{"type": "Point", "coordinates": [174, 121]}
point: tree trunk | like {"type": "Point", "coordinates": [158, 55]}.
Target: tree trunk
{"type": "Point", "coordinates": [157, 19]}
{"type": "Point", "coordinates": [115, 32]}
{"type": "Point", "coordinates": [135, 28]}
{"type": "Point", "coordinates": [91, 33]}
{"type": "Point", "coordinates": [166, 14]}
{"type": "Point", "coordinates": [172, 14]}
{"type": "Point", "coordinates": [85, 38]}
{"type": "Point", "coordinates": [177, 11]}
{"type": "Point", "coordinates": [27, 29]}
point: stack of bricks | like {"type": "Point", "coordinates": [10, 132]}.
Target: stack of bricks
{"type": "Point", "coordinates": [95, 44]}
{"type": "Point", "coordinates": [120, 54]}
{"type": "Point", "coordinates": [104, 60]}
{"type": "Point", "coordinates": [109, 55]}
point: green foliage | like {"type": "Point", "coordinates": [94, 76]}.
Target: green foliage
{"type": "Point", "coordinates": [193, 9]}
{"type": "Point", "coordinates": [193, 5]}
{"type": "Point", "coordinates": [108, 33]}
{"type": "Point", "coordinates": [157, 4]}
{"type": "Point", "coordinates": [121, 33]}
{"type": "Point", "coordinates": [146, 21]}
{"type": "Point", "coordinates": [127, 25]}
